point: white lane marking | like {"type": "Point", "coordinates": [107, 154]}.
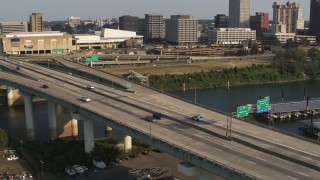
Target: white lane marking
{"type": "Point", "coordinates": [303, 174]}
{"type": "Point", "coordinates": [306, 158]}
{"type": "Point", "coordinates": [292, 178]}
{"type": "Point", "coordinates": [261, 159]}
{"type": "Point", "coordinates": [279, 144]}
{"type": "Point", "coordinates": [174, 127]}
{"type": "Point", "coordinates": [227, 146]}
{"type": "Point", "coordinates": [251, 162]}
{"type": "Point", "coordinates": [218, 149]}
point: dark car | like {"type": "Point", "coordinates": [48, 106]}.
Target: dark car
{"type": "Point", "coordinates": [18, 68]}
{"type": "Point", "coordinates": [45, 86]}
{"type": "Point", "coordinates": [157, 115]}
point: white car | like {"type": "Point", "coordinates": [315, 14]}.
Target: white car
{"type": "Point", "coordinates": [85, 98]}
{"type": "Point", "coordinates": [197, 117]}
{"type": "Point", "coordinates": [84, 168]}
{"type": "Point", "coordinates": [79, 170]}
{"type": "Point", "coordinates": [70, 171]}
{"type": "Point", "coordinates": [98, 162]}
{"type": "Point", "coordinates": [143, 176]}
{"type": "Point", "coordinates": [90, 87]}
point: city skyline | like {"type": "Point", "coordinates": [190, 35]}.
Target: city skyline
{"type": "Point", "coordinates": [201, 9]}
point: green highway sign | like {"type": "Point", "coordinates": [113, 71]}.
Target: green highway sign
{"type": "Point", "coordinates": [128, 85]}
{"type": "Point", "coordinates": [263, 105]}
{"type": "Point", "coordinates": [242, 111]}
{"type": "Point", "coordinates": [57, 50]}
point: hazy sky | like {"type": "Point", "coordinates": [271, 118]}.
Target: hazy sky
{"type": "Point", "coordinates": [11, 10]}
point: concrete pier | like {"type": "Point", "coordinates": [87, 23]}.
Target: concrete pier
{"type": "Point", "coordinates": [74, 127]}
{"type": "Point", "coordinates": [10, 96]}
{"type": "Point", "coordinates": [88, 129]}
{"type": "Point", "coordinates": [88, 135]}
{"type": "Point", "coordinates": [14, 97]}
{"type": "Point", "coordinates": [127, 143]}
{"type": "Point", "coordinates": [108, 131]}
{"type": "Point", "coordinates": [29, 116]}
{"type": "Point", "coordinates": [52, 120]}
{"type": "Point", "coordinates": [190, 170]}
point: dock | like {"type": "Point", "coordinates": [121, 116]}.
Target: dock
{"type": "Point", "coordinates": [293, 109]}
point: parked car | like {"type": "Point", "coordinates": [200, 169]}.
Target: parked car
{"type": "Point", "coordinates": [157, 115]}
{"type": "Point", "coordinates": [78, 169]}
{"type": "Point", "coordinates": [69, 171]}
{"type": "Point", "coordinates": [197, 117]}
{"type": "Point", "coordinates": [85, 168]}
{"type": "Point", "coordinates": [98, 162]}
{"type": "Point", "coordinates": [143, 176]}
{"type": "Point", "coordinates": [85, 98]}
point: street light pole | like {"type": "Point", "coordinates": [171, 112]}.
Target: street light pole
{"type": "Point", "coordinates": [42, 169]}
{"type": "Point", "coordinates": [195, 91]}
{"type": "Point", "coordinates": [48, 62]}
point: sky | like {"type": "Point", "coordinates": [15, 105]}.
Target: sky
{"type": "Point", "coordinates": [19, 10]}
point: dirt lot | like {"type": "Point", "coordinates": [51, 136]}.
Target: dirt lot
{"type": "Point", "coordinates": [13, 167]}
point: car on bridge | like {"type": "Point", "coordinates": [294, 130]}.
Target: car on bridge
{"type": "Point", "coordinates": [45, 86]}
{"type": "Point", "coordinates": [85, 98]}
{"type": "Point", "coordinates": [157, 115]}
{"type": "Point", "coordinates": [90, 87]}
{"type": "Point", "coordinates": [197, 117]}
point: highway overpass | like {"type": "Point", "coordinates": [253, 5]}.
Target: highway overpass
{"type": "Point", "coordinates": [255, 152]}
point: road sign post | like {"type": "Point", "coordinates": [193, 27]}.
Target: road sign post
{"type": "Point", "coordinates": [263, 105]}
{"type": "Point", "coordinates": [242, 111]}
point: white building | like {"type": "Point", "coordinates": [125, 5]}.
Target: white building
{"type": "Point", "coordinates": [13, 26]}
{"type": "Point", "coordinates": [239, 13]}
{"type": "Point", "coordinates": [231, 35]}
{"type": "Point", "coordinates": [287, 18]}
{"type": "Point", "coordinates": [284, 37]}
{"type": "Point", "coordinates": [107, 38]}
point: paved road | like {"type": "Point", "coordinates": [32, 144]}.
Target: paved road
{"type": "Point", "coordinates": [201, 137]}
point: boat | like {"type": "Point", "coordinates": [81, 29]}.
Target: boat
{"type": "Point", "coordinates": [98, 162]}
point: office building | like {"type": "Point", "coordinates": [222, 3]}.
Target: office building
{"type": "Point", "coordinates": [231, 36]}
{"type": "Point", "coordinates": [154, 27]}
{"type": "Point", "coordinates": [36, 22]}
{"type": "Point", "coordinates": [221, 21]}
{"type": "Point", "coordinates": [260, 23]}
{"type": "Point", "coordinates": [74, 21]}
{"type": "Point", "coordinates": [239, 13]}
{"type": "Point", "coordinates": [141, 26]}
{"type": "Point", "coordinates": [287, 18]}
{"type": "Point", "coordinates": [315, 19]}
{"type": "Point", "coordinates": [128, 23]}
{"type": "Point", "coordinates": [13, 26]}
{"type": "Point", "coordinates": [182, 30]}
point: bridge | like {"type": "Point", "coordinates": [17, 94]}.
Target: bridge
{"type": "Point", "coordinates": [255, 152]}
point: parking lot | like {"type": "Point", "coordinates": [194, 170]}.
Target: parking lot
{"type": "Point", "coordinates": [155, 163]}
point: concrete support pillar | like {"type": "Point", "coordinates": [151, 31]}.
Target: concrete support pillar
{"type": "Point", "coordinates": [88, 135]}
{"type": "Point", "coordinates": [29, 116]}
{"type": "Point", "coordinates": [10, 96]}
{"type": "Point", "coordinates": [127, 143]}
{"type": "Point", "coordinates": [108, 131]}
{"type": "Point", "coordinates": [52, 120]}
{"type": "Point", "coordinates": [190, 170]}
{"type": "Point", "coordinates": [74, 127]}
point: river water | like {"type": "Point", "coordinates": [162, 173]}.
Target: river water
{"type": "Point", "coordinates": [12, 120]}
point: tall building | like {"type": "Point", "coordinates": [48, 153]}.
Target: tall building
{"type": "Point", "coordinates": [287, 18]}
{"type": "Point", "coordinates": [155, 27]}
{"type": "Point", "coordinates": [260, 23]}
{"type": "Point", "coordinates": [141, 26]}
{"type": "Point", "coordinates": [239, 13]}
{"type": "Point", "coordinates": [221, 21]}
{"type": "Point", "coordinates": [74, 21]}
{"type": "Point", "coordinates": [128, 23]}
{"type": "Point", "coordinates": [315, 19]}
{"type": "Point", "coordinates": [182, 30]}
{"type": "Point", "coordinates": [36, 22]}
{"type": "Point", "coordinates": [13, 26]}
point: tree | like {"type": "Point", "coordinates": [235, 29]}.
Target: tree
{"type": "Point", "coordinates": [254, 49]}
{"type": "Point", "coordinates": [3, 139]}
{"type": "Point", "coordinates": [313, 53]}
